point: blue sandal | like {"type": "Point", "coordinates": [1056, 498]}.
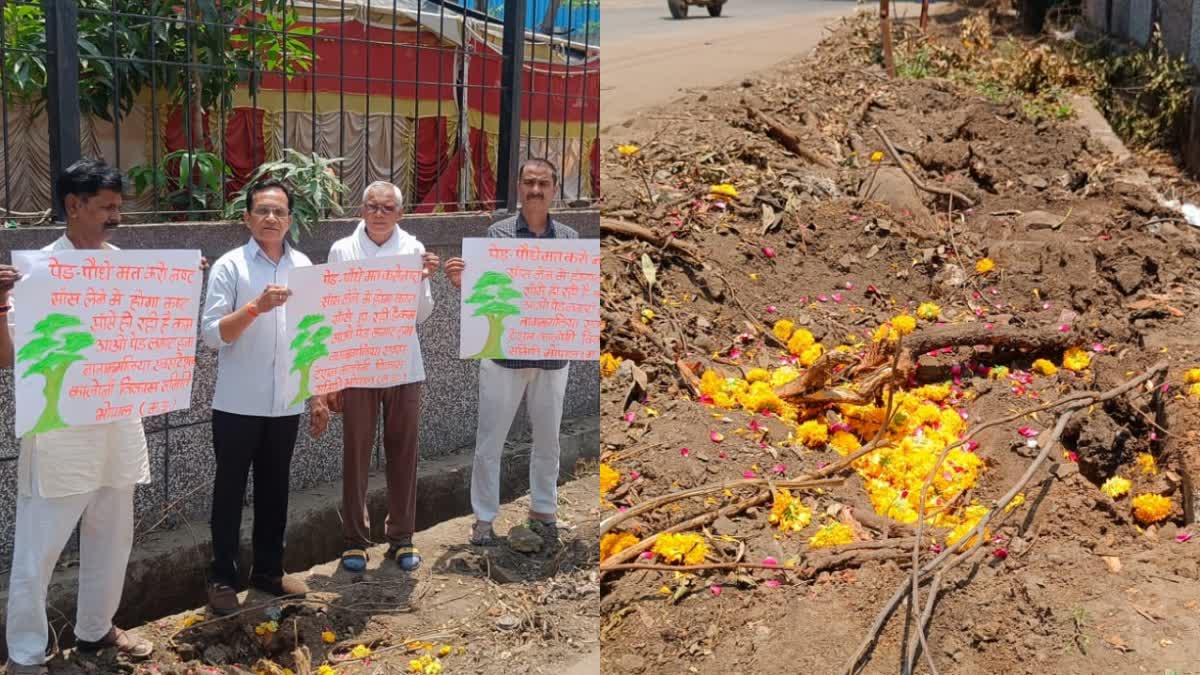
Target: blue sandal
{"type": "Point", "coordinates": [354, 560]}
{"type": "Point", "coordinates": [406, 556]}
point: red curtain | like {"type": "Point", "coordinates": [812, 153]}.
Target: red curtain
{"type": "Point", "coordinates": [245, 150]}
{"type": "Point", "coordinates": [437, 166]}
{"type": "Point", "coordinates": [485, 175]}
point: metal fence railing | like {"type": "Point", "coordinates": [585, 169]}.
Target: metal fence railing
{"type": "Point", "coordinates": [192, 98]}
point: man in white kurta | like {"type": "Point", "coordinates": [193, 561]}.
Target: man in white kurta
{"type": "Point", "coordinates": [81, 474]}
{"type": "Point", "coordinates": [378, 234]}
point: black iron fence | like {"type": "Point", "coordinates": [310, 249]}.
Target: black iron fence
{"type": "Point", "coordinates": [193, 99]}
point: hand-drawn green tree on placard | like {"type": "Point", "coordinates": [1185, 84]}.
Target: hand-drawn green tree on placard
{"type": "Point", "coordinates": [53, 355]}
{"type": "Point", "coordinates": [309, 347]}
{"type": "Point", "coordinates": [492, 293]}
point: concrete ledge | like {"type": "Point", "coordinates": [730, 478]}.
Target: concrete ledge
{"type": "Point", "coordinates": [167, 571]}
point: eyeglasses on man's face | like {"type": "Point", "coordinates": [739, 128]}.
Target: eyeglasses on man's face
{"type": "Point", "coordinates": [380, 208]}
{"type": "Point", "coordinates": [265, 211]}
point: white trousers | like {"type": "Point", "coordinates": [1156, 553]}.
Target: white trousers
{"type": "Point", "coordinates": [43, 526]}
{"type": "Point", "coordinates": [500, 392]}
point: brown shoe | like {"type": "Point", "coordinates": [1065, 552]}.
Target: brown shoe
{"type": "Point", "coordinates": [222, 598]}
{"type": "Point", "coordinates": [126, 644]}
{"type": "Point", "coordinates": [277, 586]}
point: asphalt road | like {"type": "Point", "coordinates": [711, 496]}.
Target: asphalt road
{"type": "Point", "coordinates": [649, 59]}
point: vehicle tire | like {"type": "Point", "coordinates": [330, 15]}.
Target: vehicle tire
{"type": "Point", "coordinates": [678, 8]}
{"type": "Point", "coordinates": [715, 9]}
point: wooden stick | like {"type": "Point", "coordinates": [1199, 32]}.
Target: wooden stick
{"type": "Point", "coordinates": [649, 505]}
{"type": "Point", "coordinates": [887, 143]}
{"type": "Point", "coordinates": [786, 138]}
{"type": "Point", "coordinates": [885, 29]}
{"type": "Point", "coordinates": [624, 229]}
{"type": "Point", "coordinates": [924, 15]}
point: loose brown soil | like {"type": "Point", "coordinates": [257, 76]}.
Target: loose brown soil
{"type": "Point", "coordinates": [497, 609]}
{"type": "Point", "coordinates": [1079, 240]}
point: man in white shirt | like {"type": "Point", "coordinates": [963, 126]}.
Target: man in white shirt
{"type": "Point", "coordinates": [254, 423]}
{"type": "Point", "coordinates": [82, 474]}
{"type": "Point", "coordinates": [377, 235]}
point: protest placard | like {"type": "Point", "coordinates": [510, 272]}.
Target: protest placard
{"type": "Point", "coordinates": [354, 324]}
{"type": "Point", "coordinates": [531, 299]}
{"type": "Point", "coordinates": [103, 335]}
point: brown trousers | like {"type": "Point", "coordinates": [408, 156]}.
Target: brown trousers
{"type": "Point", "coordinates": [401, 407]}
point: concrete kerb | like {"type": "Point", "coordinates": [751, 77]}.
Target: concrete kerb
{"type": "Point", "coordinates": [167, 572]}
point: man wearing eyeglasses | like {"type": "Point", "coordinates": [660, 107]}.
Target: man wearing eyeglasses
{"type": "Point", "coordinates": [378, 234]}
{"type": "Point", "coordinates": [503, 382]}
{"type": "Point", "coordinates": [254, 423]}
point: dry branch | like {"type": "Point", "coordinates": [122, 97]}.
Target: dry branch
{"type": "Point", "coordinates": [624, 229]}
{"type": "Point", "coordinates": [786, 138]}
{"type": "Point", "coordinates": [933, 189]}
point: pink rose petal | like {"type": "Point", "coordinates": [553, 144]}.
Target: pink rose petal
{"type": "Point", "coordinates": [634, 475]}
{"type": "Point", "coordinates": [716, 590]}
{"type": "Point", "coordinates": [771, 309]}
{"type": "Point", "coordinates": [772, 583]}
{"type": "Point", "coordinates": [748, 474]}
{"type": "Point", "coordinates": [1000, 553]}
{"type": "Point", "coordinates": [1098, 348]}
{"type": "Point", "coordinates": [685, 452]}
{"type": "Point", "coordinates": [722, 455]}
{"type": "Point", "coordinates": [647, 555]}
{"type": "Point", "coordinates": [1028, 432]}
{"type": "Point", "coordinates": [770, 561]}
{"type": "Point", "coordinates": [768, 251]}
{"type": "Point", "coordinates": [630, 416]}
{"type": "Point", "coordinates": [779, 469]}
{"type": "Point", "coordinates": [715, 436]}
{"type": "Point", "coordinates": [849, 285]}
{"type": "Point", "coordinates": [1064, 328]}
{"type": "Point", "coordinates": [1183, 537]}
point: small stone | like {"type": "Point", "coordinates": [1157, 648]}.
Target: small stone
{"type": "Point", "coordinates": [1066, 470]}
{"type": "Point", "coordinates": [1113, 563]}
{"type": "Point", "coordinates": [508, 622]}
{"type": "Point", "coordinates": [216, 654]}
{"type": "Point", "coordinates": [524, 540]}
{"type": "Point", "coordinates": [630, 663]}
{"type": "Point", "coordinates": [1039, 220]}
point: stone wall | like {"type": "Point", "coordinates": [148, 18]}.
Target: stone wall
{"type": "Point", "coordinates": [181, 442]}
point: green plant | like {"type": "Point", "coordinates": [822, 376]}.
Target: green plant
{"type": "Point", "coordinates": [309, 347]}
{"type": "Point", "coordinates": [185, 181]}
{"type": "Point", "coordinates": [1145, 94]}
{"type": "Point", "coordinates": [126, 46]}
{"type": "Point", "coordinates": [492, 293]}
{"type": "Point", "coordinates": [315, 188]}
{"type": "Point", "coordinates": [52, 356]}
{"type": "Point", "coordinates": [916, 65]}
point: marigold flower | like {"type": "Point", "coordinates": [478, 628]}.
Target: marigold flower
{"type": "Point", "coordinates": [609, 364]}
{"type": "Point", "coordinates": [1150, 508]}
{"type": "Point", "coordinates": [833, 534]}
{"type": "Point", "coordinates": [627, 149]}
{"type": "Point", "coordinates": [723, 190]}
{"type": "Point", "coordinates": [1044, 367]}
{"type": "Point", "coordinates": [904, 324]}
{"type": "Point", "coordinates": [758, 375]}
{"type": "Point", "coordinates": [812, 433]}
{"type": "Point", "coordinates": [1194, 390]}
{"type": "Point", "coordinates": [783, 375]}
{"type": "Point", "coordinates": [1192, 376]}
{"type": "Point", "coordinates": [801, 339]}
{"type": "Point", "coordinates": [615, 542]}
{"type": "Point", "coordinates": [877, 156]}
{"type": "Point", "coordinates": [1116, 486]}
{"type": "Point", "coordinates": [682, 547]}
{"type": "Point", "coordinates": [325, 669]}
{"type": "Point", "coordinates": [783, 329]}
{"type": "Point", "coordinates": [360, 651]}
{"type": "Point", "coordinates": [929, 311]}
{"type": "Point", "coordinates": [609, 478]}
{"type": "Point", "coordinates": [190, 620]}
{"type": "Point", "coordinates": [647, 315]}
{"type": "Point", "coordinates": [1017, 501]}
{"type": "Point", "coordinates": [985, 265]}
{"type": "Point", "coordinates": [1076, 359]}
{"type": "Point", "coordinates": [810, 355]}
{"type": "Point", "coordinates": [844, 443]}
{"type": "Point", "coordinates": [1147, 464]}
{"type": "Point", "coordinates": [788, 513]}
